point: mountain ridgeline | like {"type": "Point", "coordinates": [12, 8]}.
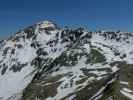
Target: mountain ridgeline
{"type": "Point", "coordinates": [45, 62]}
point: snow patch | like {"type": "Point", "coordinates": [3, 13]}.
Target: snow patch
{"type": "Point", "coordinates": [129, 95]}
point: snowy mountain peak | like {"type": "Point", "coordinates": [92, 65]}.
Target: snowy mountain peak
{"type": "Point", "coordinates": [44, 62]}
{"type": "Point", "coordinates": [49, 25]}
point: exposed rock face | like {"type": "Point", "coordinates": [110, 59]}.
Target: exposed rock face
{"type": "Point", "coordinates": [44, 62]}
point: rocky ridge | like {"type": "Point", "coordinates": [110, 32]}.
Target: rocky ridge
{"type": "Point", "coordinates": [45, 62]}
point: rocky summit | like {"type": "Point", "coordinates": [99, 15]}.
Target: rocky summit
{"type": "Point", "coordinates": [45, 62]}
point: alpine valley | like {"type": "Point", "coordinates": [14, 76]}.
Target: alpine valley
{"type": "Point", "coordinates": [46, 62]}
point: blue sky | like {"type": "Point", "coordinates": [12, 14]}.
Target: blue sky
{"type": "Point", "coordinates": [94, 14]}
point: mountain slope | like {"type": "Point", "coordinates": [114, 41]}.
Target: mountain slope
{"type": "Point", "coordinates": [44, 62]}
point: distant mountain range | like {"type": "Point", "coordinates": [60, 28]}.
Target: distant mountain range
{"type": "Point", "coordinates": [45, 62]}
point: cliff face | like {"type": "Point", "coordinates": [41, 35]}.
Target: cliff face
{"type": "Point", "coordinates": [44, 62]}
